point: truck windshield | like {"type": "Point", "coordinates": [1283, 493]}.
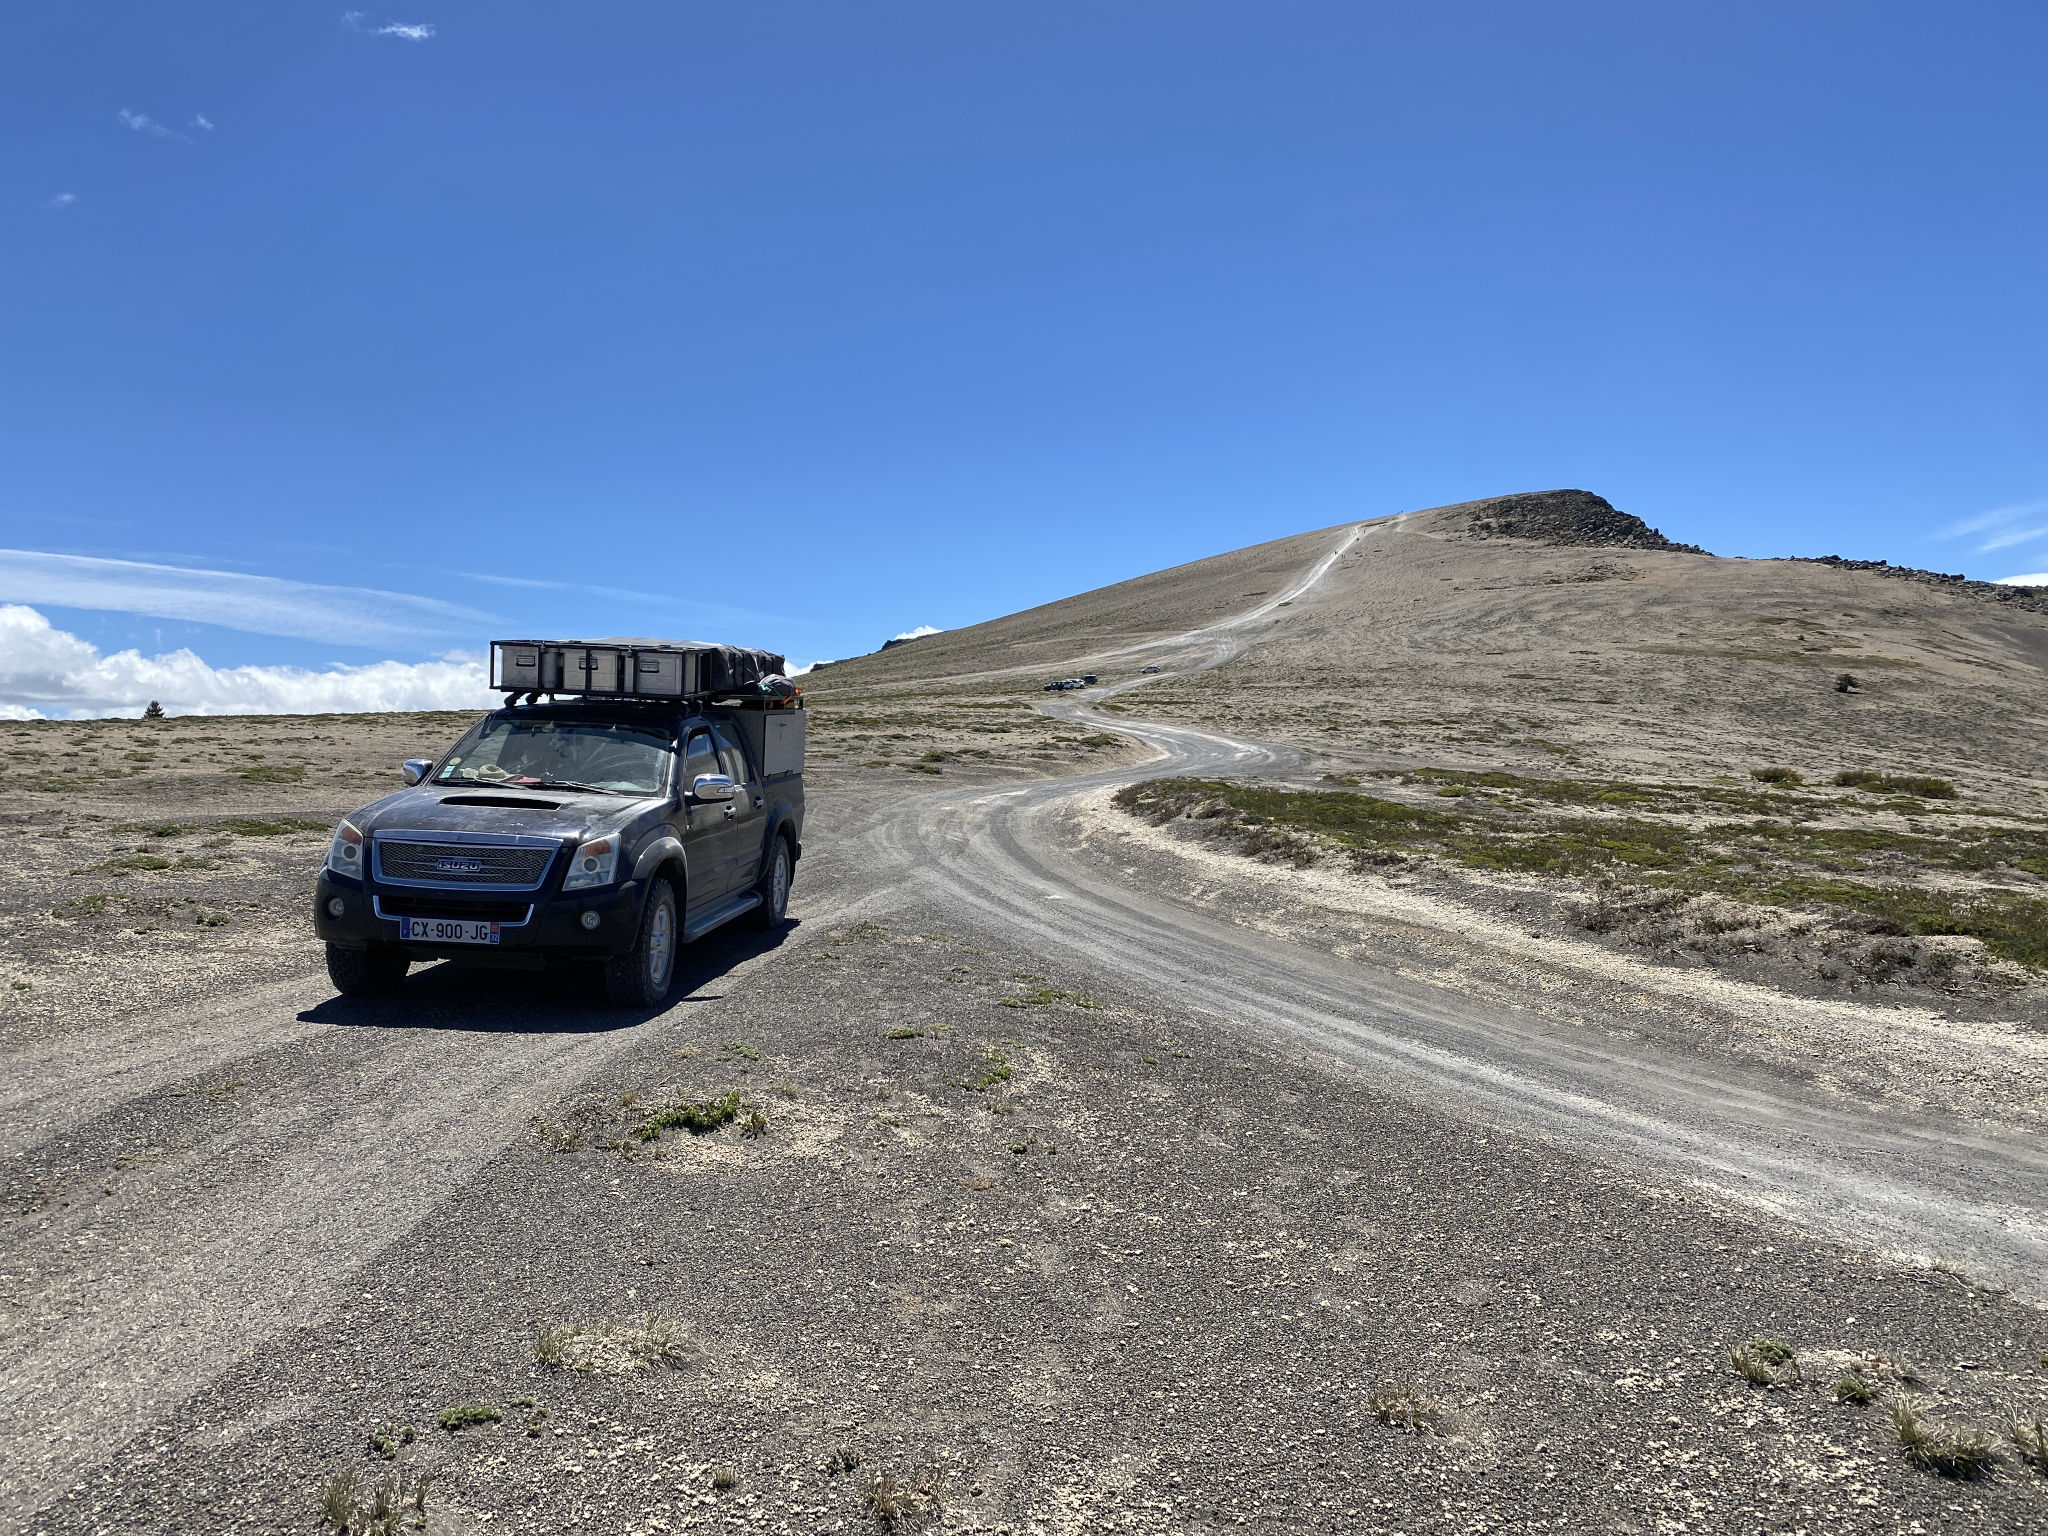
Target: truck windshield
{"type": "Point", "coordinates": [564, 754]}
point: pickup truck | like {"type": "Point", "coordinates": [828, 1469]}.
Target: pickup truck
{"type": "Point", "coordinates": [607, 832]}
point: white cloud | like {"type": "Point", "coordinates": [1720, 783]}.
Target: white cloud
{"type": "Point", "coordinates": [142, 122]}
{"type": "Point", "coordinates": [920, 632]}
{"type": "Point", "coordinates": [411, 31]}
{"type": "Point", "coordinates": [2035, 579]}
{"type": "Point", "coordinates": [263, 605]}
{"type": "Point", "coordinates": [62, 200]}
{"type": "Point", "coordinates": [45, 672]}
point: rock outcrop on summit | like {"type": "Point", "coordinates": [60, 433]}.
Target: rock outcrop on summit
{"type": "Point", "coordinates": [1569, 519]}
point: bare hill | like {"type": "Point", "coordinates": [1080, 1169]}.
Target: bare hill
{"type": "Point", "coordinates": [1550, 630]}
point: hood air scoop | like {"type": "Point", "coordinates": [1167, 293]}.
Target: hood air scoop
{"type": "Point", "coordinates": [504, 802]}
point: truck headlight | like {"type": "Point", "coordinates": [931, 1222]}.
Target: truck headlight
{"type": "Point", "coordinates": [345, 853]}
{"type": "Point", "coordinates": [596, 863]}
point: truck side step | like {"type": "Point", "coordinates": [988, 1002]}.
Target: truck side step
{"type": "Point", "coordinates": [719, 913]}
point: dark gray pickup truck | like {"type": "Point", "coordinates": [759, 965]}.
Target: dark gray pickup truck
{"type": "Point", "coordinates": [593, 829]}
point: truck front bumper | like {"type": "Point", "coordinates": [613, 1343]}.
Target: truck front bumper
{"type": "Point", "coordinates": [553, 928]}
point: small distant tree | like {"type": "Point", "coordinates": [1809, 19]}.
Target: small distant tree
{"type": "Point", "coordinates": [154, 712]}
{"type": "Point", "coordinates": [1846, 683]}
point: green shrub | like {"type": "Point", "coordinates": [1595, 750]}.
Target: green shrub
{"type": "Point", "coordinates": [696, 1118]}
{"type": "Point", "coordinates": [1920, 785]}
{"type": "Point", "coordinates": [465, 1414]}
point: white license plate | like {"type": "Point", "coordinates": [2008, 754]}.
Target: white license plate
{"type": "Point", "coordinates": [446, 930]}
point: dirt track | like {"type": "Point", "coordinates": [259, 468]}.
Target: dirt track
{"type": "Point", "coordinates": [1225, 1189]}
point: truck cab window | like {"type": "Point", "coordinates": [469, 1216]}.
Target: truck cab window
{"type": "Point", "coordinates": [699, 758]}
{"type": "Point", "coordinates": [734, 759]}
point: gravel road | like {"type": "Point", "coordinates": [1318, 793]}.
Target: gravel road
{"type": "Point", "coordinates": [1973, 1195]}
{"type": "Point", "coordinates": [1081, 1207]}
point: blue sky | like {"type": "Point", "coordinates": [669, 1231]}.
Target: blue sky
{"type": "Point", "coordinates": [804, 324]}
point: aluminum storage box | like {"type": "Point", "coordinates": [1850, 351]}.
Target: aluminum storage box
{"type": "Point", "coordinates": [783, 751]}
{"type": "Point", "coordinates": [593, 669]}
{"type": "Point", "coordinates": [774, 737]}
{"type": "Point", "coordinates": [516, 664]}
{"type": "Point", "coordinates": [664, 674]}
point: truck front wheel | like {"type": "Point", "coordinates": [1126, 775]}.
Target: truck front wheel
{"type": "Point", "coordinates": [640, 977]}
{"type": "Point", "coordinates": [373, 972]}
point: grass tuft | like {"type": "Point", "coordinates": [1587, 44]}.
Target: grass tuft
{"type": "Point", "coordinates": [1405, 1409]}
{"type": "Point", "coordinates": [1852, 1388]}
{"type": "Point", "coordinates": [615, 1349]}
{"type": "Point", "coordinates": [2029, 1438]}
{"type": "Point", "coordinates": [1765, 1363]}
{"type": "Point", "coordinates": [1046, 997]}
{"type": "Point", "coordinates": [996, 1069]}
{"type": "Point", "coordinates": [338, 1498]}
{"type": "Point", "coordinates": [899, 1503]}
{"type": "Point", "coordinates": [1952, 1451]}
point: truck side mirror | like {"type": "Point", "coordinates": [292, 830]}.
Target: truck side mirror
{"type": "Point", "coordinates": [713, 786]}
{"type": "Point", "coordinates": [414, 769]}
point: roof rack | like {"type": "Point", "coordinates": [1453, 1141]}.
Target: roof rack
{"type": "Point", "coordinates": [629, 668]}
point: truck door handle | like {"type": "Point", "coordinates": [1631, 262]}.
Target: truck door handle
{"type": "Point", "coordinates": [730, 812]}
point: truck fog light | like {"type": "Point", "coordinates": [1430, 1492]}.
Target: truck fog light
{"type": "Point", "coordinates": [591, 920]}
{"type": "Point", "coordinates": [336, 906]}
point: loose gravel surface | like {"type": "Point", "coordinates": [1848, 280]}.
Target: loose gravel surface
{"type": "Point", "coordinates": [1023, 1251]}
{"type": "Point", "coordinates": [1017, 1186]}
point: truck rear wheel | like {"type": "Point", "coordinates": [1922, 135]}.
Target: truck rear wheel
{"type": "Point", "coordinates": [640, 977]}
{"type": "Point", "coordinates": [773, 888]}
{"type": "Point", "coordinates": [373, 972]}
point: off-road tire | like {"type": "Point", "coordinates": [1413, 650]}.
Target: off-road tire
{"type": "Point", "coordinates": [374, 972]}
{"type": "Point", "coordinates": [641, 977]}
{"type": "Point", "coordinates": [773, 887]}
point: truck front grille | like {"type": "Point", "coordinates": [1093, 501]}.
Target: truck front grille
{"type": "Point", "coordinates": [518, 867]}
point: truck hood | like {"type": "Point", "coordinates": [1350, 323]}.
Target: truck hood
{"type": "Point", "coordinates": [568, 815]}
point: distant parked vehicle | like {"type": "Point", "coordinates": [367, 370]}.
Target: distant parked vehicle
{"type": "Point", "coordinates": [1065, 685]}
{"type": "Point", "coordinates": [1147, 671]}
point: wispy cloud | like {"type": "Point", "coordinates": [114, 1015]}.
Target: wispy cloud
{"type": "Point", "coordinates": [201, 121]}
{"type": "Point", "coordinates": [709, 611]}
{"type": "Point", "coordinates": [2000, 518]}
{"type": "Point", "coordinates": [920, 632]}
{"type": "Point", "coordinates": [143, 123]}
{"type": "Point", "coordinates": [47, 671]}
{"type": "Point", "coordinates": [263, 605]}
{"type": "Point", "coordinates": [538, 584]}
{"type": "Point", "coordinates": [2009, 538]}
{"type": "Point", "coordinates": [410, 31]}
{"type": "Point", "coordinates": [61, 200]}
